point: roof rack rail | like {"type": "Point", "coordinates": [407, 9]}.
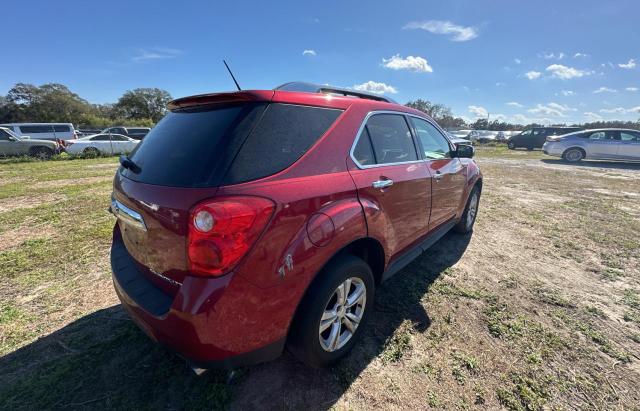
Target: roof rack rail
{"type": "Point", "coordinates": [326, 89]}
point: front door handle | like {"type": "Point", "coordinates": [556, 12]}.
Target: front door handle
{"type": "Point", "coordinates": [438, 176]}
{"type": "Point", "coordinates": [382, 183]}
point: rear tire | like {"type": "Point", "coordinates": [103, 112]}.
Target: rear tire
{"type": "Point", "coordinates": [42, 153]}
{"type": "Point", "coordinates": [573, 155]}
{"type": "Point", "coordinates": [324, 314]}
{"type": "Point", "coordinates": [511, 145]}
{"type": "Point", "coordinates": [468, 219]}
{"type": "Point", "coordinates": [91, 152]}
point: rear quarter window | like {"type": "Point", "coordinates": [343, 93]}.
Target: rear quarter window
{"type": "Point", "coordinates": [282, 136]}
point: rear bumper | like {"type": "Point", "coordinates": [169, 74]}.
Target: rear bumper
{"type": "Point", "coordinates": [212, 323]}
{"type": "Point", "coordinates": [552, 149]}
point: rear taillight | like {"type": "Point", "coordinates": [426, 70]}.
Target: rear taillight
{"type": "Point", "coordinates": [223, 230]}
{"type": "Point", "coordinates": [553, 138]}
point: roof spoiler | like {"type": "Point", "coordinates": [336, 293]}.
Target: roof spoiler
{"type": "Point", "coordinates": [220, 98]}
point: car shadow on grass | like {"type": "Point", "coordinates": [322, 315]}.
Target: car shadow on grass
{"type": "Point", "coordinates": [618, 165]}
{"type": "Point", "coordinates": [102, 360]}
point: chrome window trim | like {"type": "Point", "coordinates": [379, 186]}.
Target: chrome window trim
{"type": "Point", "coordinates": [127, 215]}
{"type": "Point", "coordinates": [413, 136]}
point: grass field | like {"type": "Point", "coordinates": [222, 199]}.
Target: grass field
{"type": "Point", "coordinates": [539, 309]}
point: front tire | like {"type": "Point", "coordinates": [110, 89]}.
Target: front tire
{"type": "Point", "coordinates": [511, 145]}
{"type": "Point", "coordinates": [465, 225]}
{"type": "Point", "coordinates": [330, 319]}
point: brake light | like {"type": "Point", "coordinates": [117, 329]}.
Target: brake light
{"type": "Point", "coordinates": [553, 138]}
{"type": "Point", "coordinates": [223, 230]}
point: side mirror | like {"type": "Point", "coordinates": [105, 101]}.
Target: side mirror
{"type": "Point", "coordinates": [464, 151]}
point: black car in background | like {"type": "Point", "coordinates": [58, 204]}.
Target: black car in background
{"type": "Point", "coordinates": [536, 136]}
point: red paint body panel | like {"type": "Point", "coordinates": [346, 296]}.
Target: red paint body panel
{"type": "Point", "coordinates": [324, 202]}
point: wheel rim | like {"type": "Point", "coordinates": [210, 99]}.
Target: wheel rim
{"type": "Point", "coordinates": [342, 314]}
{"type": "Point", "coordinates": [574, 155]}
{"type": "Point", "coordinates": [472, 210]}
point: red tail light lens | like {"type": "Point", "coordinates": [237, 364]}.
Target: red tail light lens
{"type": "Point", "coordinates": [223, 230]}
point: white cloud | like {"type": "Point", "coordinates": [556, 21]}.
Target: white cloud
{"type": "Point", "coordinates": [532, 75]}
{"type": "Point", "coordinates": [580, 55]}
{"type": "Point", "coordinates": [457, 33]}
{"type": "Point", "coordinates": [499, 117]}
{"type": "Point", "coordinates": [517, 61]}
{"type": "Point", "coordinates": [551, 109]}
{"type": "Point", "coordinates": [567, 93]}
{"type": "Point", "coordinates": [500, 84]}
{"type": "Point", "coordinates": [478, 111]}
{"type": "Point", "coordinates": [549, 56]}
{"type": "Point", "coordinates": [631, 88]}
{"type": "Point", "coordinates": [605, 90]}
{"type": "Point", "coordinates": [628, 65]}
{"type": "Point", "coordinates": [309, 52]}
{"type": "Point", "coordinates": [155, 53]}
{"type": "Point", "coordinates": [514, 104]}
{"type": "Point", "coordinates": [566, 73]}
{"type": "Point", "coordinates": [592, 116]}
{"type": "Point", "coordinates": [620, 110]}
{"type": "Point", "coordinates": [522, 119]}
{"type": "Point", "coordinates": [375, 88]}
{"type": "Point", "coordinates": [417, 64]}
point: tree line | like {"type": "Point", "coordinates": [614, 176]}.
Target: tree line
{"type": "Point", "coordinates": [444, 117]}
{"type": "Point", "coordinates": [55, 103]}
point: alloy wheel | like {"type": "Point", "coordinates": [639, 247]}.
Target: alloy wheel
{"type": "Point", "coordinates": [472, 210]}
{"type": "Point", "coordinates": [342, 314]}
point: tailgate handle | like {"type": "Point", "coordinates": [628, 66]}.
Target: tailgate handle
{"type": "Point", "coordinates": [382, 183]}
{"type": "Point", "coordinates": [127, 215]}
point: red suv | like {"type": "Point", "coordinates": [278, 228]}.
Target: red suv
{"type": "Point", "coordinates": [257, 220]}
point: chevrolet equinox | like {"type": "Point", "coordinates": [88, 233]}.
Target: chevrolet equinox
{"type": "Point", "coordinates": [252, 221]}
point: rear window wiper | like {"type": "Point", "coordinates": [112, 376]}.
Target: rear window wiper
{"type": "Point", "coordinates": [127, 163]}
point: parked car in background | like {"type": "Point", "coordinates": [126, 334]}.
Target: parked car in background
{"type": "Point", "coordinates": [486, 136]}
{"type": "Point", "coordinates": [102, 144]}
{"type": "Point", "coordinates": [12, 145]}
{"type": "Point", "coordinates": [535, 137]}
{"type": "Point", "coordinates": [43, 131]}
{"type": "Point", "coordinates": [242, 229]}
{"type": "Point", "coordinates": [137, 133]}
{"type": "Point", "coordinates": [455, 140]}
{"type": "Point", "coordinates": [599, 144]}
{"type": "Point", "coordinates": [471, 135]}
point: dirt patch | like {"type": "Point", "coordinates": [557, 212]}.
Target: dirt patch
{"type": "Point", "coordinates": [71, 182]}
{"type": "Point", "coordinates": [16, 236]}
{"type": "Point", "coordinates": [16, 203]}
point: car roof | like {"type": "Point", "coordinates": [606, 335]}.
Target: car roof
{"type": "Point", "coordinates": [298, 93]}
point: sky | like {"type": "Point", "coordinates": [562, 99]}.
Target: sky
{"type": "Point", "coordinates": [544, 61]}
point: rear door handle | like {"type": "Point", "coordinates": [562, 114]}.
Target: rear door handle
{"type": "Point", "coordinates": [382, 183]}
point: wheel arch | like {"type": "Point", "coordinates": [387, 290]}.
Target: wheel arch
{"type": "Point", "coordinates": [367, 248]}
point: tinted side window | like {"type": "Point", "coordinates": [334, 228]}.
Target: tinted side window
{"type": "Point", "coordinates": [391, 138]}
{"type": "Point", "coordinates": [61, 129]}
{"type": "Point", "coordinates": [118, 137]}
{"type": "Point", "coordinates": [628, 136]}
{"type": "Point", "coordinates": [100, 138]}
{"type": "Point", "coordinates": [4, 136]}
{"type": "Point", "coordinates": [601, 135]}
{"type": "Point", "coordinates": [282, 136]}
{"type": "Point", "coordinates": [363, 151]}
{"type": "Point", "coordinates": [35, 129]}
{"type": "Point", "coordinates": [433, 143]}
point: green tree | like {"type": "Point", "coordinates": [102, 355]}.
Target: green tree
{"type": "Point", "coordinates": [47, 103]}
{"type": "Point", "coordinates": [439, 112]}
{"type": "Point", "coordinates": [143, 103]}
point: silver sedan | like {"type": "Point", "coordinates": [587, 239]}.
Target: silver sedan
{"type": "Point", "coordinates": [600, 144]}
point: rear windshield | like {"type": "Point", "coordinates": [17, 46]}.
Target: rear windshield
{"type": "Point", "coordinates": [207, 147]}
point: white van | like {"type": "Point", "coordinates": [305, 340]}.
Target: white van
{"type": "Point", "coordinates": [43, 131]}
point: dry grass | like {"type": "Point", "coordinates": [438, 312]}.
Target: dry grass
{"type": "Point", "coordinates": [539, 309]}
